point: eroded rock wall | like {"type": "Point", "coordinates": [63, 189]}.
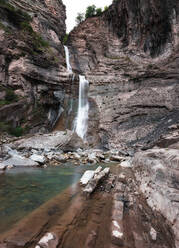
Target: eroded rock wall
{"type": "Point", "coordinates": [130, 56]}
{"type": "Point", "coordinates": [32, 64]}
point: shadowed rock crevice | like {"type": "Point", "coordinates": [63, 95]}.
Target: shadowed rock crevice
{"type": "Point", "coordinates": [146, 23]}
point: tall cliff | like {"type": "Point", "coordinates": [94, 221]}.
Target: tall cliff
{"type": "Point", "coordinates": [34, 83]}
{"type": "Point", "coordinates": [130, 56]}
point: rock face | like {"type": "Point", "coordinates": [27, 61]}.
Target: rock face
{"type": "Point", "coordinates": [35, 86]}
{"type": "Point", "coordinates": [130, 57]}
{"type": "Point", "coordinates": [156, 171]}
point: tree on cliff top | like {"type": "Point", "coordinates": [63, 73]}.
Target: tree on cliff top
{"type": "Point", "coordinates": [80, 18]}
{"type": "Point", "coordinates": [90, 11]}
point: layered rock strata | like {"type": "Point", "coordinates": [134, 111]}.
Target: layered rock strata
{"type": "Point", "coordinates": [35, 87]}
{"type": "Point", "coordinates": [156, 172]}
{"type": "Point", "coordinates": [130, 57]}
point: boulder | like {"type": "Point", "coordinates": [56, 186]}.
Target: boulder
{"type": "Point", "coordinates": [98, 177]}
{"type": "Point", "coordinates": [38, 158]}
{"type": "Point", "coordinates": [19, 161]}
{"type": "Point", "coordinates": [87, 176]}
{"type": "Point", "coordinates": [116, 158]}
{"type": "Point", "coordinates": [49, 240]}
{"type": "Point", "coordinates": [92, 158]}
{"type": "Point", "coordinates": [66, 141]}
{"type": "Point", "coordinates": [126, 163]}
{"type": "Point", "coordinates": [61, 158]}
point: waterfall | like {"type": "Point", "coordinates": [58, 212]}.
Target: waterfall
{"type": "Point", "coordinates": [81, 123]}
{"type": "Point", "coordinates": [67, 55]}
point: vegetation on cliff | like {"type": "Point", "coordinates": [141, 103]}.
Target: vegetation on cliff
{"type": "Point", "coordinates": [90, 12]}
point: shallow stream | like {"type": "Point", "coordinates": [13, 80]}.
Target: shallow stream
{"type": "Point", "coordinates": [23, 190]}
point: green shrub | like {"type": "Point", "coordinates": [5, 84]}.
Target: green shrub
{"type": "Point", "coordinates": [90, 11]}
{"type": "Point", "coordinates": [3, 102]}
{"type": "Point", "coordinates": [79, 18]}
{"type": "Point", "coordinates": [106, 8]}
{"type": "Point", "coordinates": [4, 127]}
{"type": "Point", "coordinates": [99, 11]}
{"type": "Point", "coordinates": [40, 42]}
{"type": "Point", "coordinates": [14, 15]}
{"type": "Point", "coordinates": [26, 27]}
{"type": "Point", "coordinates": [65, 39]}
{"type": "Point", "coordinates": [17, 131]}
{"type": "Point", "coordinates": [10, 96]}
{"type": "Point", "coordinates": [5, 4]}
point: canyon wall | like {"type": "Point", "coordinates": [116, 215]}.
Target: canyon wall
{"type": "Point", "coordinates": [130, 55]}
{"type": "Point", "coordinates": [34, 83]}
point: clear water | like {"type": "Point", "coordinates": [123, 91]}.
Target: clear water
{"type": "Point", "coordinates": [23, 190]}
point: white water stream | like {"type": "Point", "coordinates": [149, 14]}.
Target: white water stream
{"type": "Point", "coordinates": [67, 54]}
{"type": "Point", "coordinates": [81, 121]}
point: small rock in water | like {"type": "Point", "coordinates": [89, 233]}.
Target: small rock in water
{"type": "Point", "coordinates": [116, 158]}
{"type": "Point", "coordinates": [48, 241]}
{"type": "Point", "coordinates": [92, 184]}
{"type": "Point", "coordinates": [10, 167]}
{"type": "Point", "coordinates": [2, 166]}
{"type": "Point", "coordinates": [87, 176]}
{"type": "Point", "coordinates": [92, 158]}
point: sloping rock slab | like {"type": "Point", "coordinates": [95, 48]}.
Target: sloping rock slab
{"type": "Point", "coordinates": [157, 171]}
{"type": "Point", "coordinates": [67, 140]}
{"type": "Point", "coordinates": [20, 161]}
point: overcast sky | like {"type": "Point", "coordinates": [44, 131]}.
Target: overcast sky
{"type": "Point", "coordinates": [75, 6]}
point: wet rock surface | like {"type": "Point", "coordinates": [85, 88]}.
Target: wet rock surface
{"type": "Point", "coordinates": [115, 215]}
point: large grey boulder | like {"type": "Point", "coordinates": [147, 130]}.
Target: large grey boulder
{"type": "Point", "coordinates": [65, 140]}
{"type": "Point", "coordinates": [157, 172]}
{"type": "Point", "coordinates": [18, 161]}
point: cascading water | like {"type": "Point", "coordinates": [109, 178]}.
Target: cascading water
{"type": "Point", "coordinates": [67, 55]}
{"type": "Point", "coordinates": [81, 123]}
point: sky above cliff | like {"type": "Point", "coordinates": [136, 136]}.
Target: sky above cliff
{"type": "Point", "coordinates": [74, 7]}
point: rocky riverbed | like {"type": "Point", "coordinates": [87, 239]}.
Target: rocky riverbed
{"type": "Point", "coordinates": [117, 214]}
{"type": "Point", "coordinates": [133, 205]}
{"type": "Point", "coordinates": [55, 149]}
